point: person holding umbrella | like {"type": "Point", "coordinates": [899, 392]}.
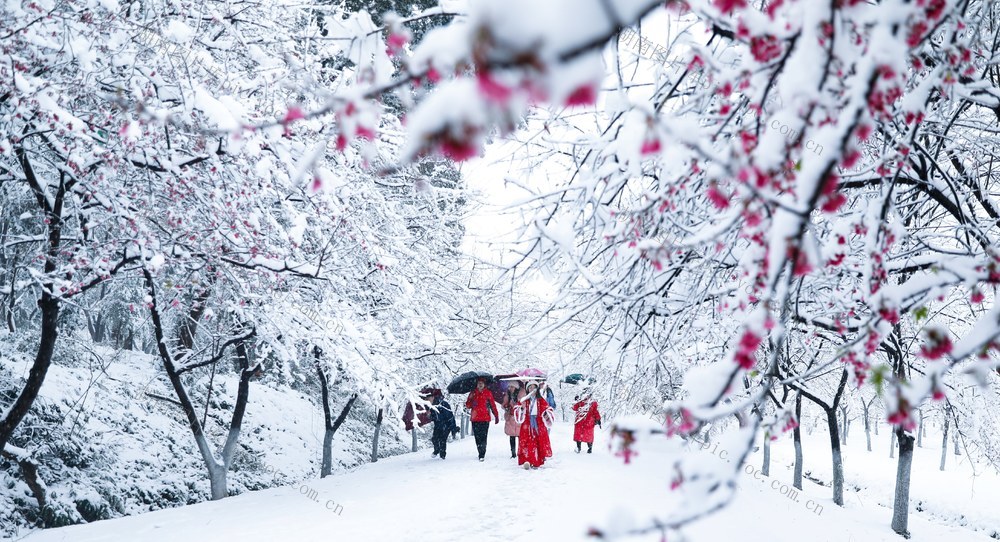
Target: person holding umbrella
{"type": "Point", "coordinates": [444, 423]}
{"type": "Point", "coordinates": [480, 403]}
{"type": "Point", "coordinates": [536, 417]}
{"type": "Point", "coordinates": [511, 427]}
{"type": "Point", "coordinates": [586, 417]}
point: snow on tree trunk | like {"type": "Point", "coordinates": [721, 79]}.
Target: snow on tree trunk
{"type": "Point", "coordinates": [378, 428]}
{"type": "Point", "coordinates": [901, 500]}
{"type": "Point", "coordinates": [892, 444]}
{"type": "Point", "coordinates": [797, 439]}
{"type": "Point", "coordinates": [920, 430]}
{"type": "Point", "coordinates": [765, 469]}
{"type": "Point", "coordinates": [217, 477]}
{"type": "Point", "coordinates": [868, 431]}
{"type": "Point", "coordinates": [954, 438]}
{"type": "Point", "coordinates": [944, 443]}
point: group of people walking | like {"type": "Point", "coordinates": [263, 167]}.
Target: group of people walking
{"type": "Point", "coordinates": [528, 409]}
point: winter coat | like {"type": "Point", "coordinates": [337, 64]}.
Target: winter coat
{"type": "Point", "coordinates": [586, 417]}
{"type": "Point", "coordinates": [423, 416]}
{"type": "Point", "coordinates": [511, 426]}
{"type": "Point", "coordinates": [481, 403]}
{"type": "Point", "coordinates": [533, 442]}
{"type": "Point", "coordinates": [443, 418]}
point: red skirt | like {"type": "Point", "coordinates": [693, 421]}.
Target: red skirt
{"type": "Point", "coordinates": [533, 445]}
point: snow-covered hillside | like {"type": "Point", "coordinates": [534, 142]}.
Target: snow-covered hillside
{"type": "Point", "coordinates": [417, 497]}
{"type": "Point", "coordinates": [118, 446]}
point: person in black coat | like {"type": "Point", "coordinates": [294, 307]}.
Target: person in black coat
{"type": "Point", "coordinates": [444, 424]}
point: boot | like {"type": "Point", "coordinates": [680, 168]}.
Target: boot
{"type": "Point", "coordinates": [590, 447]}
{"type": "Point", "coordinates": [513, 446]}
{"type": "Point", "coordinates": [577, 447]}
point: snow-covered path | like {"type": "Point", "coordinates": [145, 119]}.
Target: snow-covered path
{"type": "Point", "coordinates": [416, 497]}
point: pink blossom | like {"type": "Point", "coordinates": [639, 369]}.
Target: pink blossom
{"type": "Point", "coordinates": [977, 296]}
{"type": "Point", "coordinates": [938, 344]}
{"type": "Point", "coordinates": [889, 314]}
{"type": "Point", "coordinates": [772, 7]}
{"type": "Point", "coordinates": [433, 76]}
{"type": "Point", "coordinates": [293, 114]}
{"type": "Point", "coordinates": [801, 267]}
{"type": "Point", "coordinates": [720, 200]}
{"type": "Point", "coordinates": [727, 6]}
{"type": "Point", "coordinates": [746, 348]}
{"type": "Point", "coordinates": [458, 151]}
{"type": "Point", "coordinates": [902, 418]}
{"type": "Point", "coordinates": [396, 42]}
{"type": "Point", "coordinates": [650, 146]}
{"type": "Point", "coordinates": [833, 203]}
{"type": "Point", "coordinates": [494, 91]}
{"type": "Point", "coordinates": [584, 95]}
{"type": "Point", "coordinates": [765, 48]}
{"type": "Point", "coordinates": [850, 159]}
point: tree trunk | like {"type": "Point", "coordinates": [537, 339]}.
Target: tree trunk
{"type": "Point", "coordinates": [868, 430]}
{"type": "Point", "coordinates": [328, 434]}
{"type": "Point", "coordinates": [9, 316]}
{"type": "Point", "coordinates": [413, 446]}
{"type": "Point", "coordinates": [876, 428]}
{"type": "Point", "coordinates": [242, 398]}
{"type": "Point", "coordinates": [954, 438]}
{"type": "Point", "coordinates": [843, 426]}
{"type": "Point", "coordinates": [944, 442]}
{"type": "Point", "coordinates": [47, 303]}
{"type": "Point", "coordinates": [29, 471]}
{"type": "Point", "coordinates": [330, 426]}
{"type": "Point", "coordinates": [36, 375]}
{"type": "Point", "coordinates": [765, 469]}
{"type": "Point", "coordinates": [217, 476]}
{"type": "Point", "coordinates": [837, 458]}
{"type": "Point", "coordinates": [901, 502]}
{"type": "Point", "coordinates": [217, 468]}
{"type": "Point", "coordinates": [797, 439]}
{"type": "Point", "coordinates": [378, 427]}
{"type": "Point", "coordinates": [920, 430]}
{"type": "Point", "coordinates": [892, 444]}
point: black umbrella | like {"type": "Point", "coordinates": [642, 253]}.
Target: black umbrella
{"type": "Point", "coordinates": [466, 382]}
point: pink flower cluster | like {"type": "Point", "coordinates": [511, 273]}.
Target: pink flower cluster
{"type": "Point", "coordinates": [746, 349]}
{"type": "Point", "coordinates": [938, 344]}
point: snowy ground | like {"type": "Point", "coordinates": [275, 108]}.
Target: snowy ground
{"type": "Point", "coordinates": [414, 496]}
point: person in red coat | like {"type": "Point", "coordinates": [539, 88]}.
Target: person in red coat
{"type": "Point", "coordinates": [480, 403]}
{"type": "Point", "coordinates": [587, 416]}
{"type": "Point", "coordinates": [536, 417]}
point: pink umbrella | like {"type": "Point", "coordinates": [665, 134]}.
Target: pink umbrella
{"type": "Point", "coordinates": [532, 373]}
